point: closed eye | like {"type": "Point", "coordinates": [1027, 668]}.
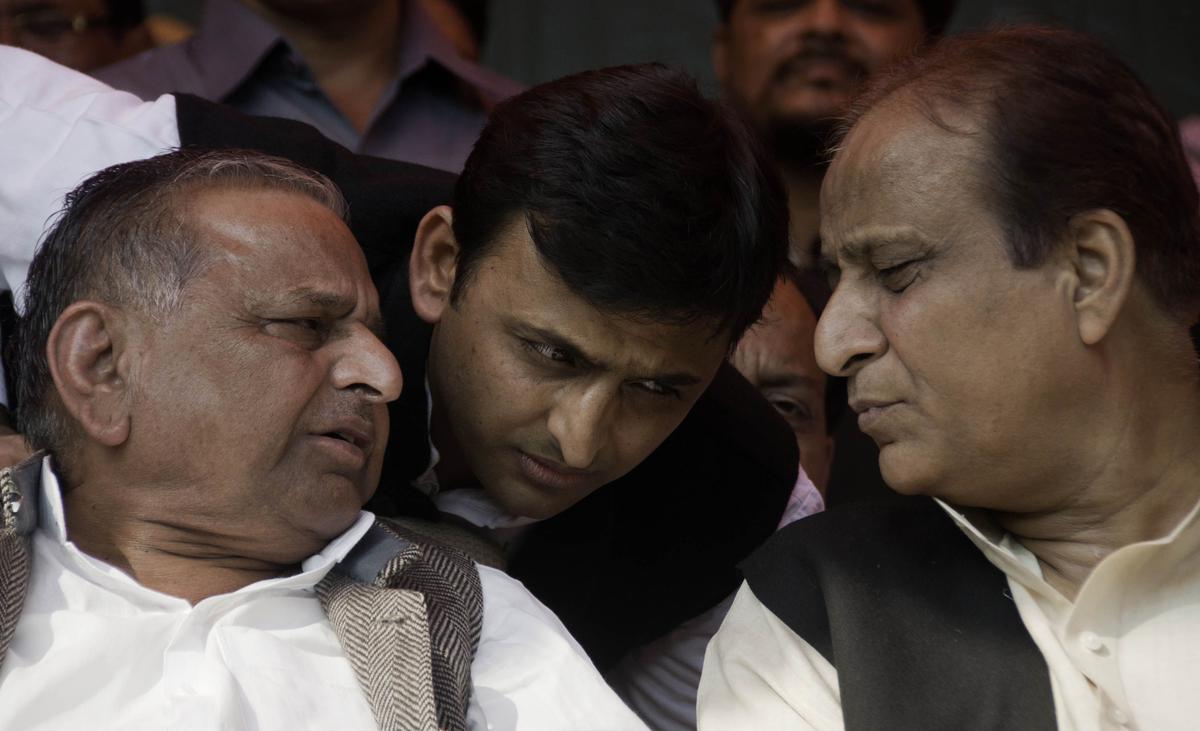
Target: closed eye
{"type": "Point", "coordinates": [897, 278]}
{"type": "Point", "coordinates": [306, 331]}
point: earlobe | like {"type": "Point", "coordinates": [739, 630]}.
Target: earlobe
{"type": "Point", "coordinates": [84, 352]}
{"type": "Point", "coordinates": [433, 264]}
{"type": "Point", "coordinates": [1104, 260]}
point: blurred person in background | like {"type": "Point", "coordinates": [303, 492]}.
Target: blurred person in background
{"type": "Point", "coordinates": [82, 34]}
{"type": "Point", "coordinates": [776, 356]}
{"type": "Point", "coordinates": [793, 66]}
{"type": "Point", "coordinates": [380, 77]}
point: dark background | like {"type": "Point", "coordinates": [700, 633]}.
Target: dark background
{"type": "Point", "coordinates": [536, 40]}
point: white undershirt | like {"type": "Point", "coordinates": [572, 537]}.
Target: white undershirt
{"type": "Point", "coordinates": [94, 649]}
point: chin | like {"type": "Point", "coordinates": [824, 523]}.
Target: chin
{"type": "Point", "coordinates": [905, 472]}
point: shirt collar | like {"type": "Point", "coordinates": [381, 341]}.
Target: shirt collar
{"type": "Point", "coordinates": [230, 44]}
{"type": "Point", "coordinates": [1017, 561]}
{"type": "Point", "coordinates": [422, 41]}
{"type": "Point", "coordinates": [233, 42]}
{"type": "Point", "coordinates": [52, 522]}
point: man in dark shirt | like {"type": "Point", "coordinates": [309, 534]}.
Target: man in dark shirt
{"type": "Point", "coordinates": [389, 83]}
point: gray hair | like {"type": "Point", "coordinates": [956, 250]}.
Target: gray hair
{"type": "Point", "coordinates": [124, 237]}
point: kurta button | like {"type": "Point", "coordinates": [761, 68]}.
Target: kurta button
{"type": "Point", "coordinates": [1092, 641]}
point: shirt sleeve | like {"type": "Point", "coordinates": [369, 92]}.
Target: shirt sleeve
{"type": "Point", "coordinates": [759, 674]}
{"type": "Point", "coordinates": [530, 674]}
{"type": "Point", "coordinates": [58, 127]}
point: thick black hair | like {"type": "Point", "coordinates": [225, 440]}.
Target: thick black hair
{"type": "Point", "coordinates": [935, 13]}
{"type": "Point", "coordinates": [647, 199]}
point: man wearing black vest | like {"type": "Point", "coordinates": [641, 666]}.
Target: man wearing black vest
{"type": "Point", "coordinates": [1016, 242]}
{"type": "Point", "coordinates": [555, 383]}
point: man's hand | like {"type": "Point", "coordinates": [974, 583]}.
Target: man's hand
{"type": "Point", "coordinates": [13, 448]}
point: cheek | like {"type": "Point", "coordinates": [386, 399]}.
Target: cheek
{"type": "Point", "coordinates": [882, 44]}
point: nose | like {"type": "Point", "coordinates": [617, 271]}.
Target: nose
{"type": "Point", "coordinates": [848, 335]}
{"type": "Point", "coordinates": [366, 365]}
{"type": "Point", "coordinates": [825, 17]}
{"type": "Point", "coordinates": [579, 423]}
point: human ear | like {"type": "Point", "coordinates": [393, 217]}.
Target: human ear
{"type": "Point", "coordinates": [84, 351]}
{"type": "Point", "coordinates": [1103, 256]}
{"type": "Point", "coordinates": [433, 264]}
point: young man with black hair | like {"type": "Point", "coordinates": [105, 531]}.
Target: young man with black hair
{"type": "Point", "coordinates": [570, 313]}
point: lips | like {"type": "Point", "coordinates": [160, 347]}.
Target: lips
{"type": "Point", "coordinates": [871, 414]}
{"type": "Point", "coordinates": [555, 475]}
{"type": "Point", "coordinates": [820, 65]}
{"type": "Point", "coordinates": [349, 438]}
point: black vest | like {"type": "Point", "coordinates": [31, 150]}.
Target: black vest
{"type": "Point", "coordinates": [640, 555]}
{"type": "Point", "coordinates": [920, 626]}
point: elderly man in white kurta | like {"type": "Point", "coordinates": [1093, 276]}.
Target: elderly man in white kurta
{"type": "Point", "coordinates": [1015, 236]}
{"type": "Point", "coordinates": [199, 354]}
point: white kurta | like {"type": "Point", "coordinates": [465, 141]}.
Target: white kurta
{"type": "Point", "coordinates": [1124, 655]}
{"type": "Point", "coordinates": [94, 649]}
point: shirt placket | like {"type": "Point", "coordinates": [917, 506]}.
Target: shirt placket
{"type": "Point", "coordinates": [187, 686]}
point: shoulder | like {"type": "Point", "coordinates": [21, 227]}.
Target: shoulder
{"type": "Point", "coordinates": [758, 673]}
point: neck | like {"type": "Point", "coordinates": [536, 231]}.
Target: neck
{"type": "Point", "coordinates": [351, 53]}
{"type": "Point", "coordinates": [160, 550]}
{"type": "Point", "coordinates": [804, 189]}
{"type": "Point", "coordinates": [1145, 479]}
{"type": "Point", "coordinates": [452, 469]}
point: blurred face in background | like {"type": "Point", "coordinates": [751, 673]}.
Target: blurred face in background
{"type": "Point", "coordinates": [797, 64]}
{"type": "Point", "coordinates": [76, 33]}
{"type": "Point", "coordinates": [776, 356]}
